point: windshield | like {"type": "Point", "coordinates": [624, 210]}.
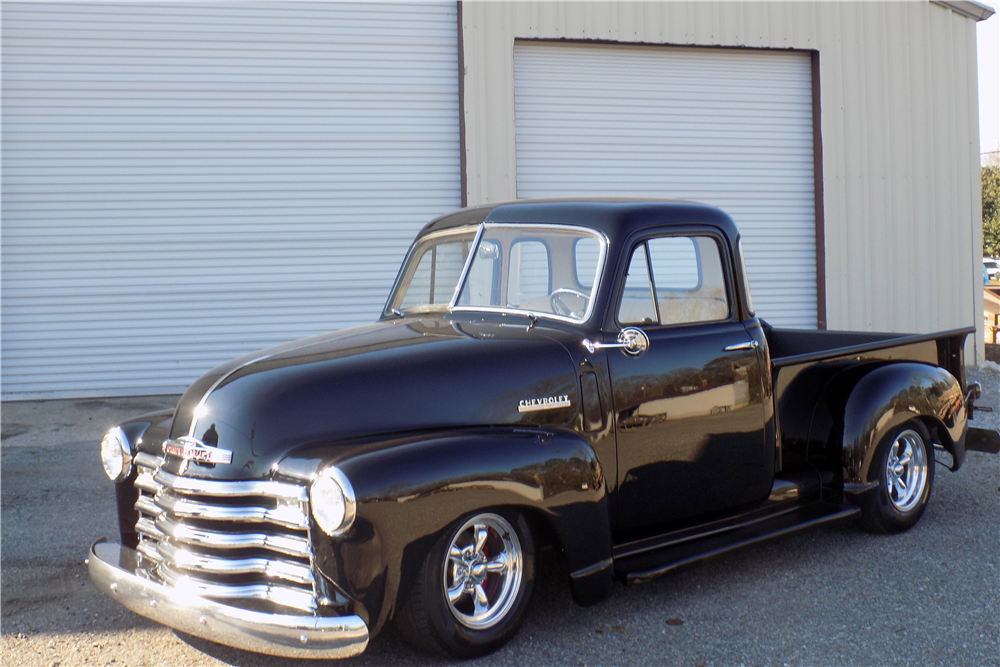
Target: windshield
{"type": "Point", "coordinates": [550, 270]}
{"type": "Point", "coordinates": [432, 270]}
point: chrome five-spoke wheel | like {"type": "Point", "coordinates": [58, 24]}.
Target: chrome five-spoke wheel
{"type": "Point", "coordinates": [903, 472]}
{"type": "Point", "coordinates": [906, 470]}
{"type": "Point", "coordinates": [482, 571]}
{"type": "Point", "coordinates": [476, 582]}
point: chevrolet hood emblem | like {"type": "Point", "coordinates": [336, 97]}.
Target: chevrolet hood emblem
{"type": "Point", "coordinates": [191, 449]}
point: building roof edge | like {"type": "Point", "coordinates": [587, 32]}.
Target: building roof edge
{"type": "Point", "coordinates": [968, 8]}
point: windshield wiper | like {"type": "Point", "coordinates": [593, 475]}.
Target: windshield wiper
{"type": "Point", "coordinates": [397, 312]}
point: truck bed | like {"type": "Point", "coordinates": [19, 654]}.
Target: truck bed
{"type": "Point", "coordinates": [805, 365]}
{"type": "Point", "coordinates": [793, 347]}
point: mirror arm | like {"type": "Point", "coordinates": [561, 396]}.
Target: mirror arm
{"type": "Point", "coordinates": [631, 341]}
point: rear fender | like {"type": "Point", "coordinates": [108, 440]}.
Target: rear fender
{"type": "Point", "coordinates": [891, 395]}
{"type": "Point", "coordinates": [409, 491]}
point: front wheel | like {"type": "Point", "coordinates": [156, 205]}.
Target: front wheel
{"type": "Point", "coordinates": [474, 587]}
{"type": "Point", "coordinates": [904, 469]}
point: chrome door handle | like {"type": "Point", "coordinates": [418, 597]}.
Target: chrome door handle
{"type": "Point", "coordinates": [631, 341]}
{"type": "Point", "coordinates": [752, 345]}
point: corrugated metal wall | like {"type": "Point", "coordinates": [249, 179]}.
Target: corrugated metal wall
{"type": "Point", "coordinates": [186, 182]}
{"type": "Point", "coordinates": [899, 127]}
{"type": "Point", "coordinates": [727, 127]}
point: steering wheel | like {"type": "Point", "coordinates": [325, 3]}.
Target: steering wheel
{"type": "Point", "coordinates": [559, 306]}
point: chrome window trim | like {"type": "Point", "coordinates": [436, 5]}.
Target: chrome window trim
{"type": "Point", "coordinates": [468, 265]}
{"type": "Point", "coordinates": [598, 277]}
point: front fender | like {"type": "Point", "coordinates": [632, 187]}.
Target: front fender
{"type": "Point", "coordinates": [145, 433]}
{"type": "Point", "coordinates": [891, 395]}
{"type": "Point", "coordinates": [409, 491]}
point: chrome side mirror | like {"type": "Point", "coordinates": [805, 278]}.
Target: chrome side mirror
{"type": "Point", "coordinates": [489, 250]}
{"type": "Point", "coordinates": [632, 342]}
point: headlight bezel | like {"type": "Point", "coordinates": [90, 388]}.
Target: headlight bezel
{"type": "Point", "coordinates": [336, 477]}
{"type": "Point", "coordinates": [115, 444]}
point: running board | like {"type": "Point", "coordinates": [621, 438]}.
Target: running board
{"type": "Point", "coordinates": [670, 556]}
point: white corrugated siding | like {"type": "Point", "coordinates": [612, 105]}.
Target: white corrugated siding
{"type": "Point", "coordinates": [727, 128]}
{"type": "Point", "coordinates": [183, 183]}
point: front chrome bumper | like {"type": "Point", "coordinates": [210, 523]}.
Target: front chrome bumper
{"type": "Point", "coordinates": [112, 569]}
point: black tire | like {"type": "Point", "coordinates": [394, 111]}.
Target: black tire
{"type": "Point", "coordinates": [896, 508]}
{"type": "Point", "coordinates": [427, 618]}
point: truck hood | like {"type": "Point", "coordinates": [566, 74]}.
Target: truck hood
{"type": "Point", "coordinates": [393, 376]}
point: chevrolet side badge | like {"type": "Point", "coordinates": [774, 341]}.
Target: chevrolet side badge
{"type": "Point", "coordinates": [545, 403]}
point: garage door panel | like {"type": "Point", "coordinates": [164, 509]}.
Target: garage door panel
{"type": "Point", "coordinates": [731, 128]}
{"type": "Point", "coordinates": [184, 183]}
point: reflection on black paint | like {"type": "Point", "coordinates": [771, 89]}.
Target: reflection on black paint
{"type": "Point", "coordinates": [690, 426]}
{"type": "Point", "coordinates": [211, 437]}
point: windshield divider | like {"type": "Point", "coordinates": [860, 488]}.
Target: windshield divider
{"type": "Point", "coordinates": [468, 265]}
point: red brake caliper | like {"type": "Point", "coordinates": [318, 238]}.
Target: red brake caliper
{"type": "Point", "coordinates": [492, 582]}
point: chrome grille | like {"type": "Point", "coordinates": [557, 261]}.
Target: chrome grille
{"type": "Point", "coordinates": [228, 540]}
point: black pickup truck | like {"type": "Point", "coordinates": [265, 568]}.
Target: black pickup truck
{"type": "Point", "coordinates": [588, 375]}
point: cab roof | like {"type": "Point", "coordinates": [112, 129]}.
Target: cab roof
{"type": "Point", "coordinates": [617, 218]}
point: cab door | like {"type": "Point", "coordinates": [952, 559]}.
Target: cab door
{"type": "Point", "coordinates": [689, 409]}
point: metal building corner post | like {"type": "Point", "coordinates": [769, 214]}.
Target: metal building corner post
{"type": "Point", "coordinates": [821, 319]}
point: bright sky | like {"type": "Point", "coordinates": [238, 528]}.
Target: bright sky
{"type": "Point", "coordinates": [988, 40]}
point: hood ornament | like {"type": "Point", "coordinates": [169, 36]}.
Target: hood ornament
{"type": "Point", "coordinates": [192, 449]}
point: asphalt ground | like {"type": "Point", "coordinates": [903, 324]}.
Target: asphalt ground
{"type": "Point", "coordinates": [836, 596]}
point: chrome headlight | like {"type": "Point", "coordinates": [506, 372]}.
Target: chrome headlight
{"type": "Point", "coordinates": [332, 501]}
{"type": "Point", "coordinates": [116, 455]}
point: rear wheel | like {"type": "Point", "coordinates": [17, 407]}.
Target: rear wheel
{"type": "Point", "coordinates": [474, 587]}
{"type": "Point", "coordinates": [904, 469]}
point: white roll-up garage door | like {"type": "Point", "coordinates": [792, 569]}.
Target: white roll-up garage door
{"type": "Point", "coordinates": [186, 182]}
{"type": "Point", "coordinates": [731, 128]}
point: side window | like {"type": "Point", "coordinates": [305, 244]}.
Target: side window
{"type": "Point", "coordinates": [419, 289]}
{"type": "Point", "coordinates": [448, 270]}
{"type": "Point", "coordinates": [675, 264]}
{"type": "Point", "coordinates": [688, 278]}
{"type": "Point", "coordinates": [436, 275]}
{"type": "Point", "coordinates": [746, 281]}
{"type": "Point", "coordinates": [586, 252]}
{"type": "Point", "coordinates": [637, 305]}
{"type": "Point", "coordinates": [483, 283]}
{"type": "Point", "coordinates": [529, 272]}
